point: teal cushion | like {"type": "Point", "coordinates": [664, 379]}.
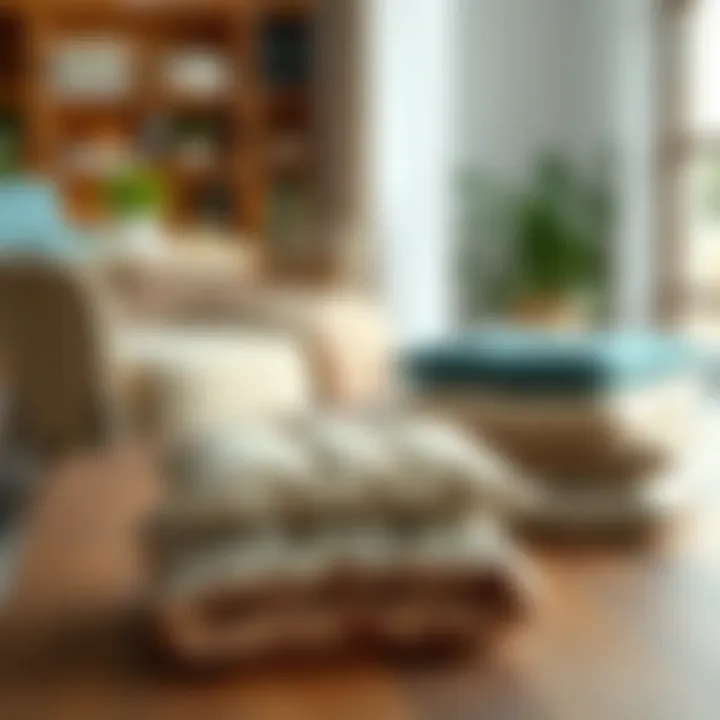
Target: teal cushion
{"type": "Point", "coordinates": [535, 362]}
{"type": "Point", "coordinates": [32, 221]}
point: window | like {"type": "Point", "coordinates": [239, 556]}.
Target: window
{"type": "Point", "coordinates": [699, 176]}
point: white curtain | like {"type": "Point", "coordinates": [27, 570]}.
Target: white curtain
{"type": "Point", "coordinates": [638, 121]}
{"type": "Point", "coordinates": [409, 52]}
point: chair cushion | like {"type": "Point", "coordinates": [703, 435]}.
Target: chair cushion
{"type": "Point", "coordinates": [549, 363]}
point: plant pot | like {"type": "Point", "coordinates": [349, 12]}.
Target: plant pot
{"type": "Point", "coordinates": [550, 310]}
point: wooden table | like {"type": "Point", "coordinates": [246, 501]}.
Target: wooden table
{"type": "Point", "coordinates": [618, 634]}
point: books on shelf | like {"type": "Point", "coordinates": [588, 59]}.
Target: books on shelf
{"type": "Point", "coordinates": [99, 69]}
{"type": "Point", "coordinates": [197, 73]}
{"type": "Point", "coordinates": [287, 52]}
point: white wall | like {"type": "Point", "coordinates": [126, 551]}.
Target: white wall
{"type": "Point", "coordinates": [638, 103]}
{"type": "Point", "coordinates": [494, 83]}
{"type": "Point", "coordinates": [411, 57]}
{"type": "Point", "coordinates": [569, 75]}
{"type": "Point", "coordinates": [533, 75]}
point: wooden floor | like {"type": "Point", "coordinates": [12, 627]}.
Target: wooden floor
{"type": "Point", "coordinates": [617, 635]}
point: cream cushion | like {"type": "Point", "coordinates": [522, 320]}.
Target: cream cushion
{"type": "Point", "coordinates": [182, 381]}
{"type": "Point", "coordinates": [437, 546]}
{"type": "Point", "coordinates": [329, 469]}
{"type": "Point", "coordinates": [346, 336]}
{"type": "Point", "coordinates": [345, 526]}
{"type": "Point", "coordinates": [459, 582]}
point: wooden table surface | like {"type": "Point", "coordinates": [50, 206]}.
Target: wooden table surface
{"type": "Point", "coordinates": [618, 634]}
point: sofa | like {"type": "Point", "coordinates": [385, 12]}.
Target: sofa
{"type": "Point", "coordinates": [85, 368]}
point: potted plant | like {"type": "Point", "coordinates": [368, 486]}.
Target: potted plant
{"type": "Point", "coordinates": [542, 248]}
{"type": "Point", "coordinates": [136, 197]}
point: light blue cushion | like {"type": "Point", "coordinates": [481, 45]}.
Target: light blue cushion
{"type": "Point", "coordinates": [32, 220]}
{"type": "Point", "coordinates": [547, 363]}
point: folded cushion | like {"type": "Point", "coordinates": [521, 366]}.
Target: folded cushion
{"type": "Point", "coordinates": [549, 363]}
{"type": "Point", "coordinates": [269, 592]}
{"type": "Point", "coordinates": [331, 529]}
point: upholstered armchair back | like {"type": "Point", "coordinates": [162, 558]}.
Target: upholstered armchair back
{"type": "Point", "coordinates": [52, 348]}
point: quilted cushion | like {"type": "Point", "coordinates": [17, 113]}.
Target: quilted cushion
{"type": "Point", "coordinates": [328, 467]}
{"type": "Point", "coordinates": [459, 582]}
{"type": "Point", "coordinates": [331, 529]}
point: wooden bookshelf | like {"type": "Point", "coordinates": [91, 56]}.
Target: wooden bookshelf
{"type": "Point", "coordinates": [255, 111]}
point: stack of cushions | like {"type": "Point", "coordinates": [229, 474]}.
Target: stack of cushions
{"type": "Point", "coordinates": [332, 533]}
{"type": "Point", "coordinates": [600, 416]}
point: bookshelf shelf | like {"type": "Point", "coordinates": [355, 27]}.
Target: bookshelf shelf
{"type": "Point", "coordinates": [263, 96]}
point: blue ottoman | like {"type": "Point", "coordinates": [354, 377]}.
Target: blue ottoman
{"type": "Point", "coordinates": [584, 412]}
